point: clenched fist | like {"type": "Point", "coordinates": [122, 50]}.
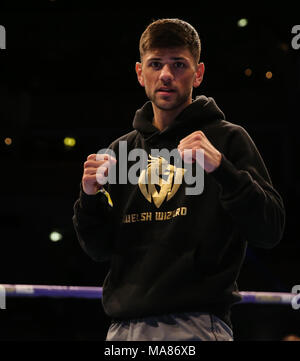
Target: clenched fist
{"type": "Point", "coordinates": [95, 173]}
{"type": "Point", "coordinates": [197, 140]}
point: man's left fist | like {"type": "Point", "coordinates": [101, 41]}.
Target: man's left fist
{"type": "Point", "coordinates": [197, 140]}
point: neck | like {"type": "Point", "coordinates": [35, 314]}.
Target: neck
{"type": "Point", "coordinates": [163, 118]}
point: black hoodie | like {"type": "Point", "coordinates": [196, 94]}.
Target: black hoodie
{"type": "Point", "coordinates": [181, 252]}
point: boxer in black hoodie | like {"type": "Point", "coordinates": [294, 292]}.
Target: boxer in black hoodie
{"type": "Point", "coordinates": [174, 257]}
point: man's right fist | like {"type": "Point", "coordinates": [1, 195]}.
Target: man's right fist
{"type": "Point", "coordinates": [95, 172]}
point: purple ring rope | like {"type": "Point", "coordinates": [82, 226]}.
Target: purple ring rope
{"type": "Point", "coordinates": [268, 297]}
{"type": "Point", "coordinates": [52, 291]}
{"type": "Point", "coordinates": [12, 290]}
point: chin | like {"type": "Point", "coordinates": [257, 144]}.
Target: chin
{"type": "Point", "coordinates": [166, 105]}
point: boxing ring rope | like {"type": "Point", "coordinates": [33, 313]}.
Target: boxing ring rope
{"type": "Point", "coordinates": [52, 291]}
{"type": "Point", "coordinates": [12, 290]}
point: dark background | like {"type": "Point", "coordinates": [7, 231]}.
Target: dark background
{"type": "Point", "coordinates": [68, 70]}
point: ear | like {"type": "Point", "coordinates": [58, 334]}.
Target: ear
{"type": "Point", "coordinates": [199, 75]}
{"type": "Point", "coordinates": [139, 73]}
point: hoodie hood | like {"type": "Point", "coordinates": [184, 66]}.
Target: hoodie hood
{"type": "Point", "coordinates": [200, 112]}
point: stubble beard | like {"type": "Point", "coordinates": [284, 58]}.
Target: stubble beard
{"type": "Point", "coordinates": [166, 105]}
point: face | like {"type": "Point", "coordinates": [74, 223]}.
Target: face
{"type": "Point", "coordinates": [169, 76]}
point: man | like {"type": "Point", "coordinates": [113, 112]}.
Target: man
{"type": "Point", "coordinates": [174, 257]}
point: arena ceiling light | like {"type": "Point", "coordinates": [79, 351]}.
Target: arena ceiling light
{"type": "Point", "coordinates": [55, 236]}
{"type": "Point", "coordinates": [242, 23]}
{"type": "Point", "coordinates": [69, 142]}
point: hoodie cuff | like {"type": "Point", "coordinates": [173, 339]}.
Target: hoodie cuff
{"type": "Point", "coordinates": [229, 178]}
{"type": "Point", "coordinates": [92, 203]}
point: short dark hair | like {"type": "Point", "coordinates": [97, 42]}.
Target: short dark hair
{"type": "Point", "coordinates": [170, 33]}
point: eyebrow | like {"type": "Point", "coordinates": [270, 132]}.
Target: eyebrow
{"type": "Point", "coordinates": [172, 58]}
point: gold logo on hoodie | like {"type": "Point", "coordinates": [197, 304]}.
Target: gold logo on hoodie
{"type": "Point", "coordinates": [160, 180]}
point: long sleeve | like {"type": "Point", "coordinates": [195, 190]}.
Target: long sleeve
{"type": "Point", "coordinates": [247, 193]}
{"type": "Point", "coordinates": [93, 223]}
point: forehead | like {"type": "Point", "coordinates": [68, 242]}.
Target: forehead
{"type": "Point", "coordinates": [169, 54]}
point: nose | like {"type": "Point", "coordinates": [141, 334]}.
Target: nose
{"type": "Point", "coordinates": [166, 74]}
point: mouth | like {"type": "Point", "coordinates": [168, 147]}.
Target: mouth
{"type": "Point", "coordinates": [165, 90]}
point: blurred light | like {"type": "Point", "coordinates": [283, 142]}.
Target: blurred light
{"type": "Point", "coordinates": [248, 72]}
{"type": "Point", "coordinates": [55, 236]}
{"type": "Point", "coordinates": [8, 141]}
{"type": "Point", "coordinates": [69, 142]}
{"type": "Point", "coordinates": [269, 75]}
{"type": "Point", "coordinates": [242, 23]}
{"type": "Point", "coordinates": [284, 47]}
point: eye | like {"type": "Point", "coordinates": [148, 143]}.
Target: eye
{"type": "Point", "coordinates": [179, 65]}
{"type": "Point", "coordinates": [155, 65]}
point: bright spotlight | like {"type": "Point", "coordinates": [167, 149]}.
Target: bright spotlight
{"type": "Point", "coordinates": [55, 236]}
{"type": "Point", "coordinates": [242, 23]}
{"type": "Point", "coordinates": [69, 142]}
{"type": "Point", "coordinates": [269, 75]}
{"type": "Point", "coordinates": [8, 141]}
